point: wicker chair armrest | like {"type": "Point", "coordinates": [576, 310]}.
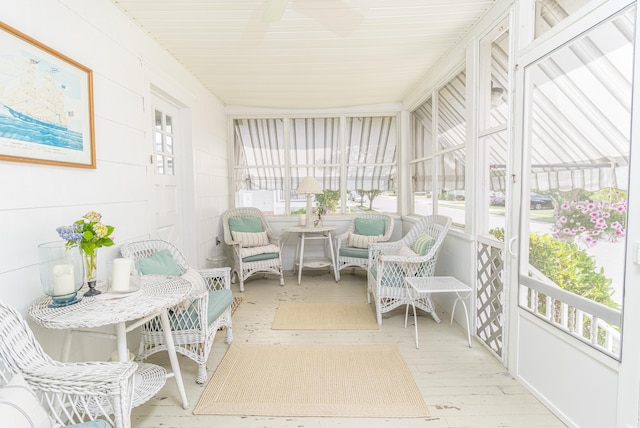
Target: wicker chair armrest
{"type": "Point", "coordinates": [403, 259]}
{"type": "Point", "coordinates": [342, 238]}
{"type": "Point", "coordinates": [86, 378]}
{"type": "Point", "coordinates": [198, 294]}
{"type": "Point", "coordinates": [387, 247]}
{"type": "Point", "coordinates": [217, 278]}
{"type": "Point", "coordinates": [274, 239]}
{"type": "Point", "coordinates": [378, 248]}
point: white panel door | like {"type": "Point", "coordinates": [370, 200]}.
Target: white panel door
{"type": "Point", "coordinates": [163, 177]}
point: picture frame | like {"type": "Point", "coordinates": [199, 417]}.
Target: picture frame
{"type": "Point", "coordinates": [46, 104]}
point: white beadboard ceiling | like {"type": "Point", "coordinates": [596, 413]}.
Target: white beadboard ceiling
{"type": "Point", "coordinates": [307, 53]}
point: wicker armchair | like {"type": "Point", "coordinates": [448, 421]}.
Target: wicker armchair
{"type": "Point", "coordinates": [376, 227]}
{"type": "Point", "coordinates": [193, 327]}
{"type": "Point", "coordinates": [414, 255]}
{"type": "Point", "coordinates": [254, 252]}
{"type": "Point", "coordinates": [73, 392]}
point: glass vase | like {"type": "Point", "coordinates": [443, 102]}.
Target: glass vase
{"type": "Point", "coordinates": [61, 272]}
{"type": "Point", "coordinates": [91, 272]}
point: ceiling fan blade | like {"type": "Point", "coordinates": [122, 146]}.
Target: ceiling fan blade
{"type": "Point", "coordinates": [335, 15]}
{"type": "Point", "coordinates": [273, 10]}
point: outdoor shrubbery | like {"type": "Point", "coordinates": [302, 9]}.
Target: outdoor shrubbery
{"type": "Point", "coordinates": [568, 266]}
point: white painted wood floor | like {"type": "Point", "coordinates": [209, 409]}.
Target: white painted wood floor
{"type": "Point", "coordinates": [462, 386]}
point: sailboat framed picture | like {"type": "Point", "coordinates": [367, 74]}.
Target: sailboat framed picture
{"type": "Point", "coordinates": [46, 104]}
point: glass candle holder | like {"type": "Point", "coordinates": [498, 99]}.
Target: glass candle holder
{"type": "Point", "coordinates": [61, 272]}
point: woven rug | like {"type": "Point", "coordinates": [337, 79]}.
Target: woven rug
{"type": "Point", "coordinates": [324, 316]}
{"type": "Point", "coordinates": [312, 380]}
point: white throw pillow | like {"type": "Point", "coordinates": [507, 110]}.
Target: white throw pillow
{"type": "Point", "coordinates": [406, 252]}
{"type": "Point", "coordinates": [198, 284]}
{"type": "Point", "coordinates": [20, 408]}
{"type": "Point", "coordinates": [251, 239]}
{"type": "Point", "coordinates": [362, 241]}
{"type": "Point", "coordinates": [408, 268]}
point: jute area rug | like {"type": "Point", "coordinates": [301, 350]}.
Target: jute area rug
{"type": "Point", "coordinates": [312, 380]}
{"type": "Point", "coordinates": [324, 316]}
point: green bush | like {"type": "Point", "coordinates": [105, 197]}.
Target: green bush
{"type": "Point", "coordinates": [568, 266]}
{"type": "Point", "coordinates": [328, 198]}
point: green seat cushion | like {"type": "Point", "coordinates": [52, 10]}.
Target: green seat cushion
{"type": "Point", "coordinates": [361, 253]}
{"type": "Point", "coordinates": [219, 300]}
{"type": "Point", "coordinates": [260, 257]}
{"type": "Point", "coordinates": [161, 263]}
{"type": "Point", "coordinates": [423, 243]}
{"type": "Point", "coordinates": [245, 224]}
{"type": "Point", "coordinates": [369, 226]}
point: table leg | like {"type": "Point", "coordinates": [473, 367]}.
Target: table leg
{"type": "Point", "coordinates": [415, 322]}
{"type": "Point", "coordinates": [466, 314]}
{"type": "Point", "coordinates": [411, 296]}
{"type": "Point", "coordinates": [333, 258]}
{"type": "Point", "coordinates": [121, 342]}
{"type": "Point", "coordinates": [171, 350]}
{"type": "Point", "coordinates": [301, 259]}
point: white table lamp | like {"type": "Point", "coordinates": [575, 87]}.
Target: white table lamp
{"type": "Point", "coordinates": [309, 186]}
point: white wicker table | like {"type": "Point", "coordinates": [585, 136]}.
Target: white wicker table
{"type": "Point", "coordinates": [438, 284]}
{"type": "Point", "coordinates": [313, 233]}
{"type": "Point", "coordinates": [157, 294]}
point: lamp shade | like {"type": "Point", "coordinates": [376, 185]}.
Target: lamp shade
{"type": "Point", "coordinates": [309, 186]}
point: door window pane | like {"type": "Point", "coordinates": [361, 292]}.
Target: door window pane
{"type": "Point", "coordinates": [163, 143]}
{"type": "Point", "coordinates": [579, 100]}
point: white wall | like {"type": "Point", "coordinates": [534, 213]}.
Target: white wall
{"type": "Point", "coordinates": [35, 199]}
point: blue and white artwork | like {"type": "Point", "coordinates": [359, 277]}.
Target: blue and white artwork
{"type": "Point", "coordinates": [44, 104]}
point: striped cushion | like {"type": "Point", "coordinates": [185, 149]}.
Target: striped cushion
{"type": "Point", "coordinates": [362, 241]}
{"type": "Point", "coordinates": [19, 406]}
{"type": "Point", "coordinates": [423, 243]}
{"type": "Point", "coordinates": [254, 251]}
{"type": "Point", "coordinates": [249, 239]}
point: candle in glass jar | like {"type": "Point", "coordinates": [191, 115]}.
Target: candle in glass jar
{"type": "Point", "coordinates": [63, 280]}
{"type": "Point", "coordinates": [120, 274]}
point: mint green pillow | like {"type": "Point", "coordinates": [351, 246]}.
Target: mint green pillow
{"type": "Point", "coordinates": [423, 243]}
{"type": "Point", "coordinates": [245, 224]}
{"type": "Point", "coordinates": [161, 263]}
{"type": "Point", "coordinates": [369, 226]}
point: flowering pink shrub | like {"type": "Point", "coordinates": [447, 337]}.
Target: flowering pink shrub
{"type": "Point", "coordinates": [589, 221]}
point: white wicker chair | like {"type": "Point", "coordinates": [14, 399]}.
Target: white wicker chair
{"type": "Point", "coordinates": [245, 262]}
{"type": "Point", "coordinates": [388, 269]}
{"type": "Point", "coordinates": [192, 333]}
{"type": "Point", "coordinates": [74, 392]}
{"type": "Point", "coordinates": [359, 257]}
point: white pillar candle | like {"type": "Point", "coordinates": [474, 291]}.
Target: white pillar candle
{"type": "Point", "coordinates": [120, 274]}
{"type": "Point", "coordinates": [63, 280]}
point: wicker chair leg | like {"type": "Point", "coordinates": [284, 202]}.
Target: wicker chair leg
{"type": "Point", "coordinates": [228, 335]}
{"type": "Point", "coordinates": [201, 379]}
{"type": "Point", "coordinates": [281, 278]}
